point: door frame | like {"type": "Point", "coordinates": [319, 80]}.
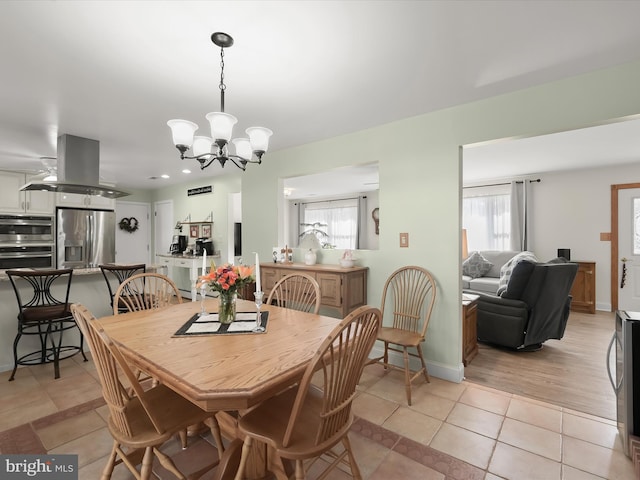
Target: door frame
{"type": "Point", "coordinates": [615, 189]}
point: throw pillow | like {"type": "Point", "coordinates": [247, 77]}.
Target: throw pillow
{"type": "Point", "coordinates": [476, 265]}
{"type": "Point", "coordinates": [507, 268]}
{"type": "Point", "coordinates": [518, 280]}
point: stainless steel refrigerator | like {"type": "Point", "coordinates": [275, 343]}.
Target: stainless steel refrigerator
{"type": "Point", "coordinates": [85, 238]}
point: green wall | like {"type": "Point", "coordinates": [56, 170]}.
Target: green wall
{"type": "Point", "coordinates": [420, 179]}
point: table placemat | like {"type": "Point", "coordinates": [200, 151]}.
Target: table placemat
{"type": "Point", "coordinates": [209, 325]}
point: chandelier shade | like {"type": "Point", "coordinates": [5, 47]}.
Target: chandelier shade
{"type": "Point", "coordinates": [205, 149]}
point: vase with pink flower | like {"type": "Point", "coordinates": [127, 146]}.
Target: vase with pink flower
{"type": "Point", "coordinates": [226, 280]}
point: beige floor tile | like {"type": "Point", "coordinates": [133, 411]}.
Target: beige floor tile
{"type": "Point", "coordinates": [391, 386]}
{"type": "Point", "coordinates": [463, 444]}
{"type": "Point", "coordinates": [368, 453]}
{"type": "Point", "coordinates": [373, 408]}
{"type": "Point", "coordinates": [537, 402]}
{"type": "Point", "coordinates": [70, 429]}
{"type": "Point", "coordinates": [486, 400]}
{"type": "Point", "coordinates": [45, 374]}
{"type": "Point", "coordinates": [475, 419]}
{"type": "Point", "coordinates": [597, 460]}
{"type": "Point", "coordinates": [73, 390]}
{"type": "Point", "coordinates": [24, 408]}
{"type": "Point", "coordinates": [25, 382]}
{"type": "Point", "coordinates": [432, 405]}
{"type": "Point", "coordinates": [592, 431]}
{"type": "Point", "coordinates": [93, 471]}
{"type": "Point", "coordinates": [396, 466]}
{"type": "Point", "coordinates": [89, 448]}
{"type": "Point", "coordinates": [491, 476]}
{"type": "Point", "coordinates": [592, 417]}
{"type": "Point", "coordinates": [512, 463]}
{"type": "Point", "coordinates": [533, 439]}
{"type": "Point", "coordinates": [536, 413]}
{"type": "Point", "coordinates": [570, 473]}
{"type": "Point", "coordinates": [414, 425]}
{"type": "Point", "coordinates": [370, 375]}
{"type": "Point", "coordinates": [445, 389]}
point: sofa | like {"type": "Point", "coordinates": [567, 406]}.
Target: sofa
{"type": "Point", "coordinates": [488, 282]}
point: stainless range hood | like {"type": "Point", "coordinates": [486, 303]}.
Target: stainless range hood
{"type": "Point", "coordinates": [78, 170]}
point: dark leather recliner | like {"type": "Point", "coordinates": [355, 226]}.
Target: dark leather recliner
{"type": "Point", "coordinates": [534, 308]}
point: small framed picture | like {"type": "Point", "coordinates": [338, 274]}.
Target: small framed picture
{"type": "Point", "coordinates": [206, 231]}
{"type": "Point", "coordinates": [194, 231]}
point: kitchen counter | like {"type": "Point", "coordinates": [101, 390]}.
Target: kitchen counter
{"type": "Point", "coordinates": [76, 272]}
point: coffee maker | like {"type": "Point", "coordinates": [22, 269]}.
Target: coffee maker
{"type": "Point", "coordinates": [204, 244]}
{"type": "Point", "coordinates": [178, 244]}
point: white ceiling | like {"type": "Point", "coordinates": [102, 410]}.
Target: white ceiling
{"type": "Point", "coordinates": [117, 71]}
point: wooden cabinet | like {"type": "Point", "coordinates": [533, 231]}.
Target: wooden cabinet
{"type": "Point", "coordinates": [469, 328]}
{"type": "Point", "coordinates": [84, 201]}
{"type": "Point", "coordinates": [12, 200]}
{"type": "Point", "coordinates": [584, 288]}
{"type": "Point", "coordinates": [343, 289]}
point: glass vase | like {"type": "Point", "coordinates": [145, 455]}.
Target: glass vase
{"type": "Point", "coordinates": [227, 309]}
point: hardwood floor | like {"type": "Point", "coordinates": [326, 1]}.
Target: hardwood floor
{"type": "Point", "coordinates": [570, 372]}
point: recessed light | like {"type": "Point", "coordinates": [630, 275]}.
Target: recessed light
{"type": "Point", "coordinates": [186, 170]}
{"type": "Point", "coordinates": [164, 175]}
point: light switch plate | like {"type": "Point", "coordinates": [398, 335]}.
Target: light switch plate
{"type": "Point", "coordinates": [404, 240]}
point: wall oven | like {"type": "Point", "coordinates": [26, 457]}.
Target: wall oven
{"type": "Point", "coordinates": [26, 241]}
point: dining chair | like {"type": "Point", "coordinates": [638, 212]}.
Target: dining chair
{"type": "Point", "coordinates": [145, 291]}
{"type": "Point", "coordinates": [297, 291]}
{"type": "Point", "coordinates": [411, 292]}
{"type": "Point", "coordinates": [140, 423]}
{"type": "Point", "coordinates": [114, 274]}
{"type": "Point", "coordinates": [43, 312]}
{"type": "Point", "coordinates": [308, 421]}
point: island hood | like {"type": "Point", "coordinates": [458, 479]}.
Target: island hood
{"type": "Point", "coordinates": [78, 170]}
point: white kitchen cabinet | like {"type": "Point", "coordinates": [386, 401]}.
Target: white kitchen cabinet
{"type": "Point", "coordinates": [84, 201]}
{"type": "Point", "coordinates": [12, 200]}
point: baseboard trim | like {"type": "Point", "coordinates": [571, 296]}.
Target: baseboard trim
{"type": "Point", "coordinates": [436, 369]}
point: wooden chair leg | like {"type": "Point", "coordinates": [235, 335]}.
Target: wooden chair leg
{"type": "Point", "coordinates": [385, 358]}
{"type": "Point", "coordinates": [147, 464]}
{"type": "Point", "coordinates": [299, 470]}
{"type": "Point", "coordinates": [214, 426]}
{"type": "Point", "coordinates": [424, 365]}
{"type": "Point", "coordinates": [355, 471]}
{"type": "Point", "coordinates": [184, 442]}
{"type": "Point", "coordinates": [407, 374]}
{"type": "Point", "coordinates": [108, 468]}
{"type": "Point", "coordinates": [246, 450]}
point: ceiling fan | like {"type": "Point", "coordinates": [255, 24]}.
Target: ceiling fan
{"type": "Point", "coordinates": [49, 169]}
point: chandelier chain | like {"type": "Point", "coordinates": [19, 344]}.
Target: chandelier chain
{"type": "Point", "coordinates": [222, 85]}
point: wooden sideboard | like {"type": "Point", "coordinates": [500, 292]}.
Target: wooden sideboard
{"type": "Point", "coordinates": [469, 327]}
{"type": "Point", "coordinates": [584, 288]}
{"type": "Point", "coordinates": [343, 289]}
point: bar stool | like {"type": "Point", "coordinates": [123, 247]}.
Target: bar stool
{"type": "Point", "coordinates": [45, 316]}
{"type": "Point", "coordinates": [113, 273]}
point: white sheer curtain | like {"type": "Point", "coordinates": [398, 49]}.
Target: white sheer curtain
{"type": "Point", "coordinates": [341, 218]}
{"type": "Point", "coordinates": [486, 216]}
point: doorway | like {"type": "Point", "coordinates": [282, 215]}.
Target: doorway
{"type": "Point", "coordinates": [624, 293]}
{"type": "Point", "coordinates": [163, 226]}
{"type": "Point", "coordinates": [133, 247]}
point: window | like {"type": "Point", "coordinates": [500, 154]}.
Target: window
{"type": "Point", "coordinates": [340, 218]}
{"type": "Point", "coordinates": [486, 214]}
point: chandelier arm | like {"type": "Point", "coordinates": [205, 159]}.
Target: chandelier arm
{"type": "Point", "coordinates": [233, 160]}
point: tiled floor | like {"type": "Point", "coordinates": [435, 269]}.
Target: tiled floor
{"type": "Point", "coordinates": [452, 431]}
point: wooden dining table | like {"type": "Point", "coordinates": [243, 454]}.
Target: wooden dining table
{"type": "Point", "coordinates": [221, 372]}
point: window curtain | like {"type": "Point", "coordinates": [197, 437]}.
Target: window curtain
{"type": "Point", "coordinates": [486, 219]}
{"type": "Point", "coordinates": [341, 218]}
{"type": "Point", "coordinates": [520, 194]}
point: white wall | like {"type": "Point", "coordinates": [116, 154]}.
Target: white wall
{"type": "Point", "coordinates": [570, 210]}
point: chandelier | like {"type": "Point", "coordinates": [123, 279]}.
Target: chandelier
{"type": "Point", "coordinates": [206, 150]}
